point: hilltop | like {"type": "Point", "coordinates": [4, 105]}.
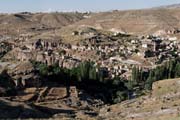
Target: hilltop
{"type": "Point", "coordinates": [173, 6]}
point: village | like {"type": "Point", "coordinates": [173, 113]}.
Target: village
{"type": "Point", "coordinates": [90, 60]}
{"type": "Point", "coordinates": [115, 54]}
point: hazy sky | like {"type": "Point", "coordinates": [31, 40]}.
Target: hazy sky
{"type": "Point", "coordinates": [78, 5]}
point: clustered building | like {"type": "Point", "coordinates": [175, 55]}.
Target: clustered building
{"type": "Point", "coordinates": [116, 54]}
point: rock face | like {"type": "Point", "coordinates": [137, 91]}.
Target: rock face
{"type": "Point", "coordinates": [24, 75]}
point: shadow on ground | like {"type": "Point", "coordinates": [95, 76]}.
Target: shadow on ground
{"type": "Point", "coordinates": [14, 110]}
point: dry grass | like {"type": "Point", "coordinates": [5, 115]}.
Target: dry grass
{"type": "Point", "coordinates": [152, 107]}
{"type": "Point", "coordinates": [136, 21]}
{"type": "Point", "coordinates": [166, 87]}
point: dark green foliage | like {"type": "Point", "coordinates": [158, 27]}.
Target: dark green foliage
{"type": "Point", "coordinates": [86, 71]}
{"type": "Point", "coordinates": [43, 69]}
{"type": "Point", "coordinates": [86, 76]}
{"type": "Point", "coordinates": [149, 81]}
{"type": "Point", "coordinates": [93, 80]}
{"type": "Point", "coordinates": [40, 67]}
{"type": "Point", "coordinates": [120, 90]}
{"type": "Point", "coordinates": [120, 96]}
{"type": "Point", "coordinates": [177, 70]}
{"type": "Point", "coordinates": [138, 77]}
{"type": "Point", "coordinates": [135, 74]}
{"type": "Point", "coordinates": [169, 69]}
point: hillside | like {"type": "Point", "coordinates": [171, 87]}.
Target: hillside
{"type": "Point", "coordinates": [31, 22]}
{"type": "Point", "coordinates": [170, 6]}
{"type": "Point", "coordinates": [138, 22]}
{"type": "Point", "coordinates": [135, 21]}
{"type": "Point", "coordinates": [161, 104]}
{"type": "Point", "coordinates": [145, 21]}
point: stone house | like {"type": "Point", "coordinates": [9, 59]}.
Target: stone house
{"type": "Point", "coordinates": [146, 44]}
{"type": "Point", "coordinates": [70, 63]}
{"type": "Point", "coordinates": [24, 55]}
{"type": "Point", "coordinates": [43, 44]}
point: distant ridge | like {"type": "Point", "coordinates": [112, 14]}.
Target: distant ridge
{"type": "Point", "coordinates": [144, 21]}
{"type": "Point", "coordinates": [173, 6]}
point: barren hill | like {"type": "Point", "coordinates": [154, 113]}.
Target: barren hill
{"type": "Point", "coordinates": [171, 6]}
{"type": "Point", "coordinates": [143, 21]}
{"type": "Point", "coordinates": [57, 19]}
{"type": "Point", "coordinates": [27, 21]}
{"type": "Point", "coordinates": [49, 19]}
{"type": "Point", "coordinates": [136, 21]}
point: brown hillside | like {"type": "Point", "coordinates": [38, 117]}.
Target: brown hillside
{"type": "Point", "coordinates": [161, 104]}
{"type": "Point", "coordinates": [11, 23]}
{"type": "Point", "coordinates": [136, 21]}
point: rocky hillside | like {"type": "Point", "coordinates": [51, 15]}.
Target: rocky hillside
{"type": "Point", "coordinates": [161, 104]}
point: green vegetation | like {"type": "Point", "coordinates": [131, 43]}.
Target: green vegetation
{"type": "Point", "coordinates": [169, 69]}
{"type": "Point", "coordinates": [95, 81]}
{"type": "Point", "coordinates": [87, 77]}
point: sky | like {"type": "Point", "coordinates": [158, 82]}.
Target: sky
{"type": "Point", "coordinates": [13, 6]}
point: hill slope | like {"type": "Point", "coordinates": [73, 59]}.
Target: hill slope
{"type": "Point", "coordinates": [162, 104]}
{"type": "Point", "coordinates": [145, 21]}
{"type": "Point", "coordinates": [171, 6]}
{"type": "Point", "coordinates": [11, 23]}
{"type": "Point", "coordinates": [136, 21]}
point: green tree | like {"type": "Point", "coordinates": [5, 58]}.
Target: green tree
{"type": "Point", "coordinates": [136, 75]}
{"type": "Point", "coordinates": [92, 74]}
{"type": "Point", "coordinates": [171, 69]}
{"type": "Point", "coordinates": [43, 69]}
{"type": "Point", "coordinates": [177, 70]}
{"type": "Point", "coordinates": [120, 96]}
{"type": "Point", "coordinates": [149, 81]}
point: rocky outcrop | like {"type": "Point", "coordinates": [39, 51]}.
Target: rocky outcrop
{"type": "Point", "coordinates": [24, 75]}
